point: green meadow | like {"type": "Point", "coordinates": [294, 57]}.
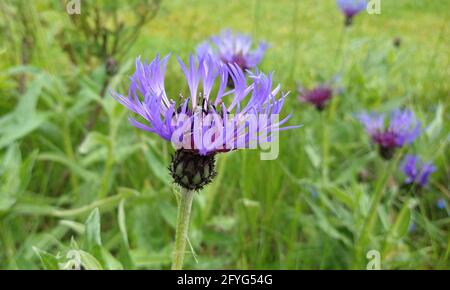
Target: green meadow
{"type": "Point", "coordinates": [77, 180]}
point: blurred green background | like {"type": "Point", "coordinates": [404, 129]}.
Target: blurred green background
{"type": "Point", "coordinates": [75, 177]}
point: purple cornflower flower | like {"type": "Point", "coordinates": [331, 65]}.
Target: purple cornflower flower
{"type": "Point", "coordinates": [416, 172]}
{"type": "Point", "coordinates": [350, 8]}
{"type": "Point", "coordinates": [233, 48]}
{"type": "Point", "coordinates": [402, 129]}
{"type": "Point", "coordinates": [201, 125]}
{"type": "Point", "coordinates": [318, 96]}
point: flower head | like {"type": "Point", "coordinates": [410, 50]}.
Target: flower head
{"type": "Point", "coordinates": [402, 128]}
{"type": "Point", "coordinates": [234, 48]}
{"type": "Point", "coordinates": [318, 96]}
{"type": "Point", "coordinates": [441, 203]}
{"type": "Point", "coordinates": [350, 8]}
{"type": "Point", "coordinates": [201, 125]}
{"type": "Point", "coordinates": [416, 172]}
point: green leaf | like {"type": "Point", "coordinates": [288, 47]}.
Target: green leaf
{"type": "Point", "coordinates": [109, 261]}
{"type": "Point", "coordinates": [156, 259]}
{"type": "Point", "coordinates": [105, 204]}
{"type": "Point", "coordinates": [223, 223]}
{"type": "Point", "coordinates": [400, 228]}
{"type": "Point", "coordinates": [10, 177]}
{"type": "Point", "coordinates": [341, 195]}
{"type": "Point", "coordinates": [74, 167]}
{"type": "Point", "coordinates": [159, 169]}
{"type": "Point", "coordinates": [26, 170]}
{"type": "Point", "coordinates": [313, 156]}
{"type": "Point", "coordinates": [169, 213]}
{"type": "Point", "coordinates": [24, 119]}
{"type": "Point", "coordinates": [76, 227]}
{"type": "Point", "coordinates": [93, 140]}
{"type": "Point", "coordinates": [15, 129]}
{"type": "Point", "coordinates": [435, 126]}
{"type": "Point", "coordinates": [93, 232]}
{"type": "Point", "coordinates": [89, 262]}
{"type": "Point", "coordinates": [325, 225]}
{"type": "Point", "coordinates": [122, 223]}
{"type": "Point", "coordinates": [122, 152]}
{"type": "Point", "coordinates": [48, 261]}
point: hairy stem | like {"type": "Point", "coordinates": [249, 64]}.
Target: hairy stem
{"type": "Point", "coordinates": [184, 212]}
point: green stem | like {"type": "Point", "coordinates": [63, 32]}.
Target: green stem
{"type": "Point", "coordinates": [184, 212]}
{"type": "Point", "coordinates": [340, 51]}
{"type": "Point", "coordinates": [106, 178]}
{"type": "Point", "coordinates": [69, 150]}
{"type": "Point", "coordinates": [371, 219]}
{"type": "Point", "coordinates": [325, 147]}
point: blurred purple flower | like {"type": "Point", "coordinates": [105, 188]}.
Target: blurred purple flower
{"type": "Point", "coordinates": [233, 48]}
{"type": "Point", "coordinates": [416, 172]}
{"type": "Point", "coordinates": [318, 96]}
{"type": "Point", "coordinates": [402, 128]}
{"type": "Point", "coordinates": [227, 125]}
{"type": "Point", "coordinates": [350, 8]}
{"type": "Point", "coordinates": [441, 203]}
